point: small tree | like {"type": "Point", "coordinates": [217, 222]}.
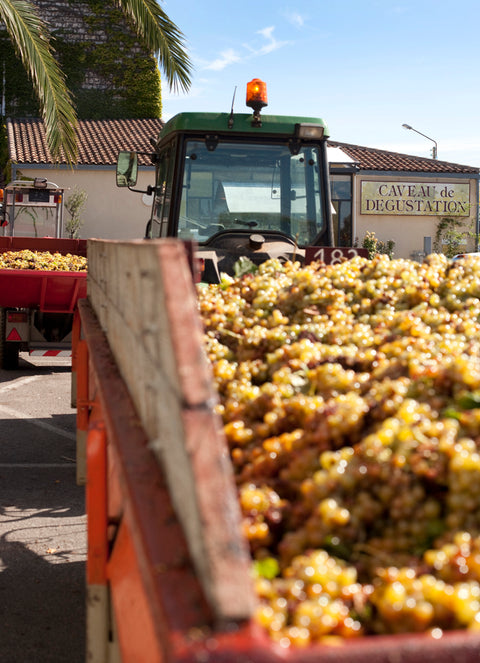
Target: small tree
{"type": "Point", "coordinates": [74, 204]}
{"type": "Point", "coordinates": [451, 234]}
{"type": "Point", "coordinates": [375, 246]}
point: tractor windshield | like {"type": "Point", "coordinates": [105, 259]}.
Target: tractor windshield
{"type": "Point", "coordinates": [235, 186]}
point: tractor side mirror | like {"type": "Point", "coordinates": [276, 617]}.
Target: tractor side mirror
{"type": "Point", "coordinates": [127, 169]}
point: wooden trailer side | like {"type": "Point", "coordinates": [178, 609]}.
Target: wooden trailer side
{"type": "Point", "coordinates": [144, 298]}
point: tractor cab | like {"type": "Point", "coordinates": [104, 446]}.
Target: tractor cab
{"type": "Point", "coordinates": [239, 185]}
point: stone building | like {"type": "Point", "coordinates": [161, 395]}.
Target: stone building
{"type": "Point", "coordinates": [107, 70]}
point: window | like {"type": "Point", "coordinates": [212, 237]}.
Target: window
{"type": "Point", "coordinates": [341, 193]}
{"type": "Point", "coordinates": [239, 185]}
{"type": "Point", "coordinates": [163, 195]}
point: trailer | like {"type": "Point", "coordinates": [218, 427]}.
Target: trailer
{"type": "Point", "coordinates": [36, 307]}
{"type": "Point", "coordinates": [168, 571]}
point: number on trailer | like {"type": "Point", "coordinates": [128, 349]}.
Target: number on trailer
{"type": "Point", "coordinates": [332, 255]}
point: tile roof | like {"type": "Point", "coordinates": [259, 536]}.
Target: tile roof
{"type": "Point", "coordinates": [99, 142]}
{"type": "Point", "coordinates": [369, 158]}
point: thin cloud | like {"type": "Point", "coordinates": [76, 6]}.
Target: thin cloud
{"type": "Point", "coordinates": [295, 19]}
{"type": "Point", "coordinates": [272, 43]}
{"type": "Point", "coordinates": [252, 50]}
{"type": "Point", "coordinates": [226, 58]}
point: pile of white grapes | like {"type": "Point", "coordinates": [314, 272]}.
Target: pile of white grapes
{"type": "Point", "coordinates": [350, 398]}
{"type": "Point", "coordinates": [43, 261]}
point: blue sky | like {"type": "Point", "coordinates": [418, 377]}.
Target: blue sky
{"type": "Point", "coordinates": [365, 67]}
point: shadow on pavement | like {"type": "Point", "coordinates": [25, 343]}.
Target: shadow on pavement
{"type": "Point", "coordinates": [38, 469]}
{"type": "Point", "coordinates": [36, 439]}
{"type": "Point", "coordinates": [35, 366]}
{"type": "Point", "coordinates": [42, 491]}
{"type": "Point", "coordinates": [42, 607]}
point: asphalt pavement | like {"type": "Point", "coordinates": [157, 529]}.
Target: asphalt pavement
{"type": "Point", "coordinates": [42, 517]}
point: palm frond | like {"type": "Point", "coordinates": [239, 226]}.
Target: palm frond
{"type": "Point", "coordinates": [161, 35]}
{"type": "Point", "coordinates": [31, 39]}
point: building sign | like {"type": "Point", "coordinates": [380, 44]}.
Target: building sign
{"type": "Point", "coordinates": [415, 198]}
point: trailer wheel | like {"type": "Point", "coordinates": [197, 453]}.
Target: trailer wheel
{"type": "Point", "coordinates": [8, 350]}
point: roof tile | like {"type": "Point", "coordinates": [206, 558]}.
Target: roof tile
{"type": "Point", "coordinates": [99, 141]}
{"type": "Point", "coordinates": [369, 158]}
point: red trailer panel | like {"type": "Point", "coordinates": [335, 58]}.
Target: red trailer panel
{"type": "Point", "coordinates": [50, 292]}
{"type": "Point", "coordinates": [52, 244]}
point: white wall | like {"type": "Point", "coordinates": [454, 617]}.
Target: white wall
{"type": "Point", "coordinates": [109, 212]}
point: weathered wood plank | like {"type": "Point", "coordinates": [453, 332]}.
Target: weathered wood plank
{"type": "Point", "coordinates": [144, 298]}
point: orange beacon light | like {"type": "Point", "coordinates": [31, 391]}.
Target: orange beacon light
{"type": "Point", "coordinates": [256, 98]}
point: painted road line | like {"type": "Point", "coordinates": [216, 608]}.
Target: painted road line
{"type": "Point", "coordinates": [9, 386]}
{"type": "Point", "coordinates": [37, 422]}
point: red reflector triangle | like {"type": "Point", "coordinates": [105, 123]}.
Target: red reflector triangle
{"type": "Point", "coordinates": [14, 335]}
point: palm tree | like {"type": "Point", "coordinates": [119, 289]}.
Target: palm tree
{"type": "Point", "coordinates": [31, 38]}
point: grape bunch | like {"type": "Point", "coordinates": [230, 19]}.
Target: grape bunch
{"type": "Point", "coordinates": [42, 260]}
{"type": "Point", "coordinates": [350, 400]}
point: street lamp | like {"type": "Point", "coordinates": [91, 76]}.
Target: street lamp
{"type": "Point", "coordinates": [434, 148]}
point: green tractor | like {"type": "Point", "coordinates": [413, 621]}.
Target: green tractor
{"type": "Point", "coordinates": [240, 186]}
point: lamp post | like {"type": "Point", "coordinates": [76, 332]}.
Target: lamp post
{"type": "Point", "coordinates": [434, 148]}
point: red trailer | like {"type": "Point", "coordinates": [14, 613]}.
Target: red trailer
{"type": "Point", "coordinates": [168, 570]}
{"type": "Point", "coordinates": [36, 307]}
